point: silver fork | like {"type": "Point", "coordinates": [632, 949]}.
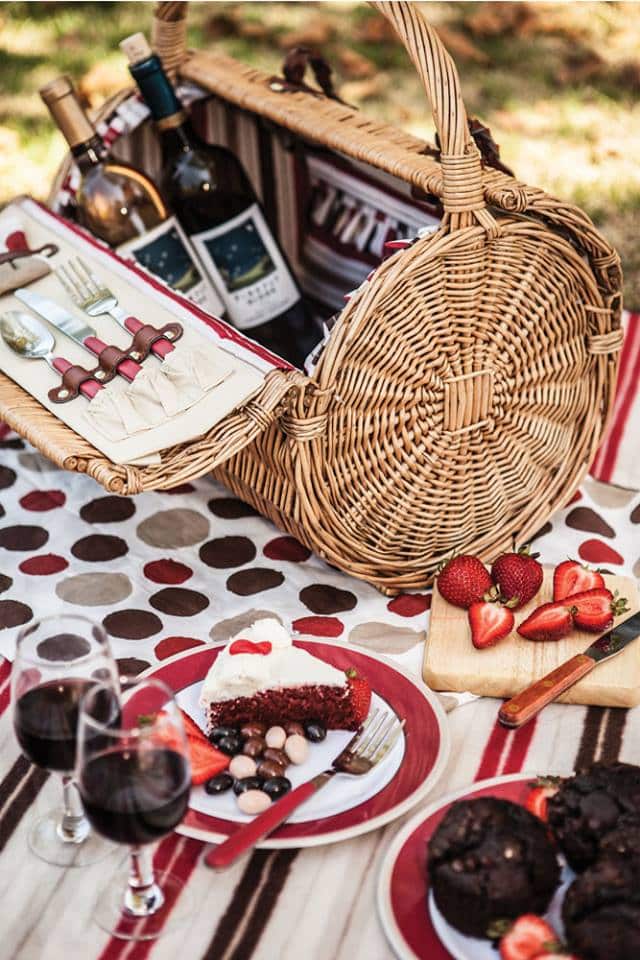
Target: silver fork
{"type": "Point", "coordinates": [90, 294]}
{"type": "Point", "coordinates": [367, 748]}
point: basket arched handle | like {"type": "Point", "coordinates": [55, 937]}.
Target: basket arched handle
{"type": "Point", "coordinates": [463, 195]}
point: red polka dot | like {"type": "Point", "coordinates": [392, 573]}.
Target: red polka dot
{"type": "Point", "coordinates": [595, 551]}
{"type": "Point", "coordinates": [319, 626]}
{"type": "Point", "coordinates": [577, 496]}
{"type": "Point", "coordinates": [410, 604]}
{"type": "Point", "coordinates": [44, 565]}
{"type": "Point", "coordinates": [286, 548]}
{"type": "Point", "coordinates": [171, 645]}
{"type": "Point", "coordinates": [167, 571]}
{"type": "Point", "coordinates": [41, 500]}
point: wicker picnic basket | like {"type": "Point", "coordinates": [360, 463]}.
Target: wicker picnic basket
{"type": "Point", "coordinates": [465, 387]}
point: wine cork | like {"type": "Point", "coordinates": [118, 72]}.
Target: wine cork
{"type": "Point", "coordinates": [136, 48]}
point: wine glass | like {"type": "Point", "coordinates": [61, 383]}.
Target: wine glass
{"type": "Point", "coordinates": [135, 782]}
{"type": "Point", "coordinates": [57, 660]}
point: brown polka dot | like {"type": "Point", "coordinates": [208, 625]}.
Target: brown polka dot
{"type": "Point", "coordinates": [227, 552]}
{"type": "Point", "coordinates": [97, 548]}
{"type": "Point", "coordinates": [7, 477]}
{"type": "Point", "coordinates": [13, 613]}
{"type": "Point", "coordinates": [636, 569]}
{"type": "Point", "coordinates": [2, 511]}
{"type": "Point", "coordinates": [584, 518]}
{"type": "Point", "coordinates": [131, 666]}
{"type": "Point", "coordinates": [224, 629]}
{"type": "Point", "coordinates": [5, 582]}
{"type": "Point", "coordinates": [23, 537]}
{"type": "Point", "coordinates": [132, 624]}
{"type": "Point", "coordinates": [323, 598]}
{"type": "Point", "coordinates": [63, 646]}
{"type": "Point", "coordinates": [542, 532]}
{"type": "Point", "coordinates": [14, 444]}
{"type": "Point", "coordinates": [228, 508]}
{"type": "Point", "coordinates": [173, 528]}
{"type": "Point", "coordinates": [635, 514]}
{"type": "Point", "coordinates": [244, 583]}
{"type": "Point", "coordinates": [384, 638]}
{"type": "Point", "coordinates": [179, 602]}
{"type": "Point", "coordinates": [108, 510]}
{"type": "Point", "coordinates": [94, 589]}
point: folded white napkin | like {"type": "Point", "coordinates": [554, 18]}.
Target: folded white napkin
{"type": "Point", "coordinates": [160, 391]}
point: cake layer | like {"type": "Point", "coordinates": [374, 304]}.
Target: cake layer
{"type": "Point", "coordinates": [331, 705]}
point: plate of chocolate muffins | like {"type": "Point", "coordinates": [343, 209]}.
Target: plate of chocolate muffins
{"type": "Point", "coordinates": [460, 873]}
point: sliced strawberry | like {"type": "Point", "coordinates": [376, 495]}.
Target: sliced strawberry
{"type": "Point", "coordinates": [519, 576]}
{"type": "Point", "coordinates": [527, 938]}
{"type": "Point", "coordinates": [553, 955]}
{"type": "Point", "coordinates": [360, 692]}
{"type": "Point", "coordinates": [537, 800]}
{"type": "Point", "coordinates": [463, 580]}
{"type": "Point", "coordinates": [206, 761]}
{"type": "Point", "coordinates": [571, 577]}
{"type": "Point", "coordinates": [595, 609]}
{"type": "Point", "coordinates": [191, 728]}
{"type": "Point", "coordinates": [551, 621]}
{"type": "Point", "coordinates": [489, 622]}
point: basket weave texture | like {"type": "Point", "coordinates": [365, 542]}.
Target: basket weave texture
{"type": "Point", "coordinates": [464, 389]}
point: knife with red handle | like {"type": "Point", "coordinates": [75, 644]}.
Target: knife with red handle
{"type": "Point", "coordinates": [525, 705]}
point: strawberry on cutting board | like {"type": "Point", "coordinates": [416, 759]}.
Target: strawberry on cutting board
{"type": "Point", "coordinates": [595, 609]}
{"type": "Point", "coordinates": [360, 693]}
{"type": "Point", "coordinates": [551, 621]}
{"type": "Point", "coordinates": [527, 938]}
{"type": "Point", "coordinates": [490, 622]}
{"type": "Point", "coordinates": [571, 577]}
{"type": "Point", "coordinates": [463, 580]}
{"type": "Point", "coordinates": [518, 575]}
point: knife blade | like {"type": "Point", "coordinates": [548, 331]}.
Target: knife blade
{"type": "Point", "coordinates": [526, 704]}
{"type": "Point", "coordinates": [73, 328]}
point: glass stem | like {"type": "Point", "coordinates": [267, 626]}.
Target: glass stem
{"type": "Point", "coordinates": [74, 826]}
{"type": "Point", "coordinates": [143, 896]}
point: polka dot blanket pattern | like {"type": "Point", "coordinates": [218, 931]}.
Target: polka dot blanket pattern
{"type": "Point", "coordinates": [165, 572]}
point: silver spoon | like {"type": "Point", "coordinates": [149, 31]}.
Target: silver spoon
{"type": "Point", "coordinates": [29, 338]}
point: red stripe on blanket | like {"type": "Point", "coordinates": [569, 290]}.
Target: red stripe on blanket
{"type": "Point", "coordinates": [628, 376]}
{"type": "Point", "coordinates": [519, 747]}
{"type": "Point", "coordinates": [490, 762]}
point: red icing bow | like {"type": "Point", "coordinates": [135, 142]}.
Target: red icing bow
{"type": "Point", "coordinates": [248, 646]}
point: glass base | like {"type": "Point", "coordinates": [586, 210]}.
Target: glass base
{"type": "Point", "coordinates": [169, 906]}
{"type": "Point", "coordinates": [46, 841]}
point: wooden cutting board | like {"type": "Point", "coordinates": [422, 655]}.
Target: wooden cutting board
{"type": "Point", "coordinates": [451, 662]}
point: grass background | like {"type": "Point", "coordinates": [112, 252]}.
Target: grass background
{"type": "Point", "coordinates": [558, 83]}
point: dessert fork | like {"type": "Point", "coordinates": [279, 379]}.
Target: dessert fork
{"type": "Point", "coordinates": [366, 748]}
{"type": "Point", "coordinates": [90, 294]}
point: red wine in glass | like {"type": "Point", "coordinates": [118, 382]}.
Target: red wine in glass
{"type": "Point", "coordinates": [45, 720]}
{"type": "Point", "coordinates": [136, 796]}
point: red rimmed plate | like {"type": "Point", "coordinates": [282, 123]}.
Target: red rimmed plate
{"type": "Point", "coordinates": [349, 805]}
{"type": "Point", "coordinates": [413, 924]}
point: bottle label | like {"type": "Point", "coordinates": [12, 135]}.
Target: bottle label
{"type": "Point", "coordinates": [247, 268]}
{"type": "Point", "coordinates": [165, 252]}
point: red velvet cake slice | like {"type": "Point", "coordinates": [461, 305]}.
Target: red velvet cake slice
{"type": "Point", "coordinates": [261, 675]}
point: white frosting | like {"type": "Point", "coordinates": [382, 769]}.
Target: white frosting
{"type": "Point", "coordinates": [245, 674]}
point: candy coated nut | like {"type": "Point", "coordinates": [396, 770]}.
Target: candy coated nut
{"type": "Point", "coordinates": [279, 756]}
{"type": "Point", "coordinates": [294, 727]}
{"type": "Point", "coordinates": [269, 768]}
{"type": "Point", "coordinates": [242, 766]}
{"type": "Point", "coordinates": [253, 729]}
{"type": "Point", "coordinates": [253, 801]}
{"type": "Point", "coordinates": [296, 748]}
{"type": "Point", "coordinates": [254, 746]}
{"type": "Point", "coordinates": [276, 737]}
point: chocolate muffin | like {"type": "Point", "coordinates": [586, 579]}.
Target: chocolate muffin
{"type": "Point", "coordinates": [601, 910]}
{"type": "Point", "coordinates": [624, 841]}
{"type": "Point", "coordinates": [490, 860]}
{"type": "Point", "coordinates": [589, 805]}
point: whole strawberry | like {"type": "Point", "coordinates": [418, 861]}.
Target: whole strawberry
{"type": "Point", "coordinates": [519, 576]}
{"type": "Point", "coordinates": [463, 580]}
{"type": "Point", "coordinates": [360, 695]}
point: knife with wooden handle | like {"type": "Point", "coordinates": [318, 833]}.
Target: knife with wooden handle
{"type": "Point", "coordinates": [525, 705]}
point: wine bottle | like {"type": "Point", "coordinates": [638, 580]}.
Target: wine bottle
{"type": "Point", "coordinates": [216, 204]}
{"type": "Point", "coordinates": [120, 204]}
